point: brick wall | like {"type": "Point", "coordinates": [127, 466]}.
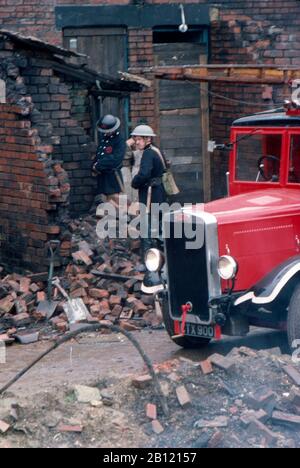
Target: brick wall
{"type": "Point", "coordinates": [29, 192]}
{"type": "Point", "coordinates": [242, 31]}
{"type": "Point", "coordinates": [45, 156]}
{"type": "Point", "coordinates": [62, 107]}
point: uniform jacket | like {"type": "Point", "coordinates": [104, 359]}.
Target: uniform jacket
{"type": "Point", "coordinates": [108, 162]}
{"type": "Point", "coordinates": [151, 167]}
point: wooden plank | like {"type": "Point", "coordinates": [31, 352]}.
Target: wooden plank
{"type": "Point", "coordinates": [181, 101]}
{"type": "Point", "coordinates": [233, 66]}
{"type": "Point", "coordinates": [183, 131]}
{"type": "Point", "coordinates": [204, 105]}
{"type": "Point", "coordinates": [190, 111]}
{"type": "Point", "coordinates": [226, 73]}
{"type": "Point", "coordinates": [135, 78]}
{"type": "Point", "coordinates": [184, 143]}
{"type": "Point", "coordinates": [175, 121]}
{"type": "Point", "coordinates": [186, 160]}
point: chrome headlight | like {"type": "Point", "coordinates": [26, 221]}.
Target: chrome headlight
{"type": "Point", "coordinates": [154, 260]}
{"type": "Point", "coordinates": [227, 267]}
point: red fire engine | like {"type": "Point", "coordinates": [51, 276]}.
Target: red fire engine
{"type": "Point", "coordinates": [247, 269]}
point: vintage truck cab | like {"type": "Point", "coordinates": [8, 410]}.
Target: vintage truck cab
{"type": "Point", "coordinates": [246, 269]}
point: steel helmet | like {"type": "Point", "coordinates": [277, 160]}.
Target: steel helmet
{"type": "Point", "coordinates": [108, 124]}
{"type": "Point", "coordinates": [143, 131]}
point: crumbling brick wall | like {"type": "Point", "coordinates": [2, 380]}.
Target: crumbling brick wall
{"type": "Point", "coordinates": [62, 106]}
{"type": "Point", "coordinates": [45, 157]}
{"type": "Point", "coordinates": [29, 191]}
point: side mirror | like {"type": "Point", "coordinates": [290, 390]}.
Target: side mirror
{"type": "Point", "coordinates": [212, 146]}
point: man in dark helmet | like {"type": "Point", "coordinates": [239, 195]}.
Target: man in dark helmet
{"type": "Point", "coordinates": [109, 159]}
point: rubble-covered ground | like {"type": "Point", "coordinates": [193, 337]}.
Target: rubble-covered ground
{"type": "Point", "coordinates": [105, 274]}
{"type": "Point", "coordinates": [249, 398]}
{"type": "Point", "coordinates": [94, 392]}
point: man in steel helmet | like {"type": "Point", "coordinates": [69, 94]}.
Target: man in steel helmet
{"type": "Point", "coordinates": [109, 159]}
{"type": "Point", "coordinates": [151, 169]}
{"type": "Point", "coordinates": [148, 180]}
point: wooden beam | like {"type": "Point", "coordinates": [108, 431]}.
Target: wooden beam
{"type": "Point", "coordinates": [228, 73]}
{"type": "Point", "coordinates": [135, 78]}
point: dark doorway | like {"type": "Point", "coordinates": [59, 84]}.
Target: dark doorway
{"type": "Point", "coordinates": [107, 53]}
{"type": "Point", "coordinates": [179, 110]}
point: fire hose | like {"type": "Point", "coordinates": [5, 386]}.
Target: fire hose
{"type": "Point", "coordinates": [97, 327]}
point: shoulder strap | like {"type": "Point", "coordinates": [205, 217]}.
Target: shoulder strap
{"type": "Point", "coordinates": [160, 155]}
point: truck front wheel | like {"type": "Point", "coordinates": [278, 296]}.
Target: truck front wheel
{"type": "Point", "coordinates": [183, 341]}
{"type": "Point", "coordinates": [293, 320]}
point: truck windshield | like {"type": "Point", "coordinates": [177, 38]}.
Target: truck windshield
{"type": "Point", "coordinates": [258, 157]}
{"type": "Point", "coordinates": [294, 167]}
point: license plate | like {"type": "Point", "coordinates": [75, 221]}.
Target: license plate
{"type": "Point", "coordinates": [200, 331]}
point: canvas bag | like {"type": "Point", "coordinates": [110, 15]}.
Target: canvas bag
{"type": "Point", "coordinates": [168, 180]}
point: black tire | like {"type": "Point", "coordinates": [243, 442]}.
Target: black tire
{"type": "Point", "coordinates": [293, 319]}
{"type": "Point", "coordinates": [183, 341]}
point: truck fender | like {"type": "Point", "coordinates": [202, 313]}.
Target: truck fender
{"type": "Point", "coordinates": [269, 288]}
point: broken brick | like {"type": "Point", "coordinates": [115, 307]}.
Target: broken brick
{"type": "Point", "coordinates": [4, 427]}
{"type": "Point", "coordinates": [243, 350]}
{"type": "Point", "coordinates": [68, 428]}
{"type": "Point", "coordinates": [286, 419]}
{"type": "Point", "coordinates": [251, 415]}
{"type": "Point", "coordinates": [293, 374]}
{"type": "Point", "coordinates": [157, 427]}
{"type": "Point", "coordinates": [24, 285]}
{"type": "Point", "coordinates": [151, 411]}
{"type": "Point", "coordinates": [222, 362]}
{"type": "Point", "coordinates": [183, 396]}
{"type": "Point", "coordinates": [142, 381]}
{"type": "Point", "coordinates": [21, 320]}
{"type": "Point", "coordinates": [82, 257]}
{"type": "Point", "coordinates": [77, 293]}
{"type": "Point", "coordinates": [41, 296]}
{"type": "Point", "coordinates": [139, 308]}
{"type": "Point", "coordinates": [85, 247]}
{"type": "Point", "coordinates": [262, 399]}
{"type": "Point", "coordinates": [6, 305]}
{"type": "Point", "coordinates": [62, 326]}
{"type": "Point", "coordinates": [5, 338]}
{"type": "Point", "coordinates": [99, 293]}
{"type": "Point", "coordinates": [215, 440]}
{"type": "Point", "coordinates": [115, 300]}
{"type": "Point", "coordinates": [117, 310]}
{"type": "Point", "coordinates": [206, 367]}
{"type": "Point", "coordinates": [220, 421]}
{"type": "Point", "coordinates": [257, 428]}
{"type": "Point", "coordinates": [128, 326]}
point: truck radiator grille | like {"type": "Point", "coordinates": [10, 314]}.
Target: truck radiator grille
{"type": "Point", "coordinates": [187, 274]}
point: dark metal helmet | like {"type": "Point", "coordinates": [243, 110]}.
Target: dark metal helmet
{"type": "Point", "coordinates": [108, 124]}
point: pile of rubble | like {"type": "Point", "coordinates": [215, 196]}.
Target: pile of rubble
{"type": "Point", "coordinates": [105, 274]}
{"type": "Point", "coordinates": [245, 399]}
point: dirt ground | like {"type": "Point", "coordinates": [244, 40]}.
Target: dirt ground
{"type": "Point", "coordinates": [45, 397]}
